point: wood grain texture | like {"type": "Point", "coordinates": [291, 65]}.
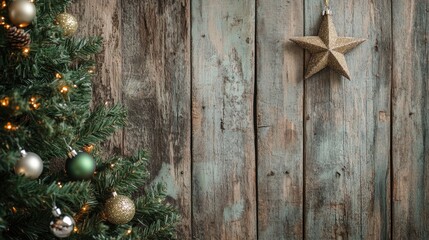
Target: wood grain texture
{"type": "Point", "coordinates": [224, 189]}
{"type": "Point", "coordinates": [323, 159]}
{"type": "Point", "coordinates": [156, 91]}
{"type": "Point", "coordinates": [410, 119]}
{"type": "Point", "coordinates": [107, 81]}
{"type": "Point", "coordinates": [347, 129]}
{"type": "Point", "coordinates": [280, 93]}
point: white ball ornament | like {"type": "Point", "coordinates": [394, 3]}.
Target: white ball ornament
{"type": "Point", "coordinates": [22, 12]}
{"type": "Point", "coordinates": [29, 165]}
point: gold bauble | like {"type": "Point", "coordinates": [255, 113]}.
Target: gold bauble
{"type": "Point", "coordinates": [119, 209]}
{"type": "Point", "coordinates": [22, 12]}
{"type": "Point", "coordinates": [67, 22]}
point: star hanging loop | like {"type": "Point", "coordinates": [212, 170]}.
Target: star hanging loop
{"type": "Point", "coordinates": [327, 49]}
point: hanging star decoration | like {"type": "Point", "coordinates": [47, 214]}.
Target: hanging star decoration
{"type": "Point", "coordinates": [327, 49]}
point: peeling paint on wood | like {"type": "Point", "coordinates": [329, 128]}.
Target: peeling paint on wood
{"type": "Point", "coordinates": [280, 89]}
{"type": "Point", "coordinates": [224, 189]}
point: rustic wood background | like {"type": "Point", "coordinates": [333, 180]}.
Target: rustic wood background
{"type": "Point", "coordinates": [246, 147]}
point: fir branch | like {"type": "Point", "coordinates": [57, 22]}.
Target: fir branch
{"type": "Point", "coordinates": [100, 124]}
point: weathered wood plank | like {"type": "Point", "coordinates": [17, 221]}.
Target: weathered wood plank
{"type": "Point", "coordinates": [347, 129]}
{"type": "Point", "coordinates": [375, 68]}
{"type": "Point", "coordinates": [156, 91]}
{"type": "Point", "coordinates": [410, 147]}
{"type": "Point", "coordinates": [280, 91]}
{"type": "Point", "coordinates": [107, 79]}
{"type": "Point", "coordinates": [224, 192]}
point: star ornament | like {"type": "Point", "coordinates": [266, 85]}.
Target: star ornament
{"type": "Point", "coordinates": [327, 49]}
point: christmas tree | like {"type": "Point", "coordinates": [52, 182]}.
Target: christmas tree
{"type": "Point", "coordinates": [55, 179]}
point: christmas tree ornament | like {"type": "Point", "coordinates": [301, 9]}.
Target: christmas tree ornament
{"type": "Point", "coordinates": [29, 165]}
{"type": "Point", "coordinates": [18, 38]}
{"type": "Point", "coordinates": [61, 225]}
{"type": "Point", "coordinates": [327, 49]}
{"type": "Point", "coordinates": [68, 23]}
{"type": "Point", "coordinates": [119, 209]}
{"type": "Point", "coordinates": [80, 165]}
{"type": "Point", "coordinates": [22, 12]}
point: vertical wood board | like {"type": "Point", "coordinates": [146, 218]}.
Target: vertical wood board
{"type": "Point", "coordinates": [410, 104]}
{"type": "Point", "coordinates": [156, 91]}
{"type": "Point", "coordinates": [107, 81]}
{"type": "Point", "coordinates": [280, 109]}
{"type": "Point", "coordinates": [347, 130]}
{"type": "Point", "coordinates": [224, 189]}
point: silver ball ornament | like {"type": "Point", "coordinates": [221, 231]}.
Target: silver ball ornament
{"type": "Point", "coordinates": [29, 165]}
{"type": "Point", "coordinates": [22, 12]}
{"type": "Point", "coordinates": [62, 225]}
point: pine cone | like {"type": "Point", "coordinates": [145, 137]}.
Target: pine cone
{"type": "Point", "coordinates": [18, 38]}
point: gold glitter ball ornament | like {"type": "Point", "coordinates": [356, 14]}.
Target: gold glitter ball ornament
{"type": "Point", "coordinates": [119, 209]}
{"type": "Point", "coordinates": [22, 12]}
{"type": "Point", "coordinates": [68, 23]}
{"type": "Point", "coordinates": [327, 49]}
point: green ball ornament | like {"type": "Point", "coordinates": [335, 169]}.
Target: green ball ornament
{"type": "Point", "coordinates": [80, 165]}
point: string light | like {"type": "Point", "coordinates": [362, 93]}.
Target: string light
{"type": "Point", "coordinates": [2, 20]}
{"type": "Point", "coordinates": [85, 208]}
{"type": "Point", "coordinates": [10, 127]}
{"type": "Point", "coordinates": [3, 4]}
{"type": "Point", "coordinates": [4, 102]}
{"type": "Point", "coordinates": [33, 103]}
{"type": "Point", "coordinates": [75, 86]}
{"type": "Point", "coordinates": [64, 89]}
{"type": "Point", "coordinates": [7, 26]}
{"type": "Point", "coordinates": [14, 210]}
{"type": "Point", "coordinates": [60, 185]}
{"type": "Point", "coordinates": [112, 165]}
{"type": "Point", "coordinates": [129, 231]}
{"type": "Point", "coordinates": [25, 51]}
{"type": "Point", "coordinates": [58, 76]}
{"type": "Point", "coordinates": [91, 70]}
{"type": "Point", "coordinates": [75, 229]}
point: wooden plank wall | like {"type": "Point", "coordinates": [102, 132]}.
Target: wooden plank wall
{"type": "Point", "coordinates": [246, 147]}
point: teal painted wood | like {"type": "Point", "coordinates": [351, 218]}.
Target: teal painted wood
{"type": "Point", "coordinates": [347, 129]}
{"type": "Point", "coordinates": [157, 93]}
{"type": "Point", "coordinates": [410, 120]}
{"type": "Point", "coordinates": [224, 184]}
{"type": "Point", "coordinates": [279, 119]}
{"type": "Point", "coordinates": [373, 64]}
